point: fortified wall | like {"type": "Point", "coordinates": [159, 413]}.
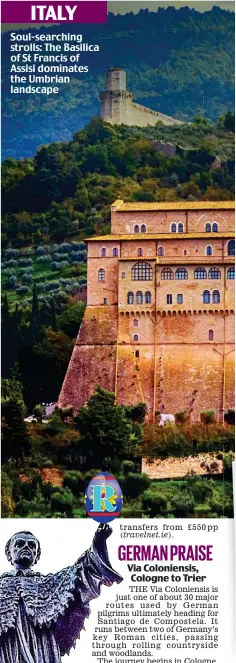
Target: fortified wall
{"type": "Point", "coordinates": [159, 322]}
{"type": "Point", "coordinates": [117, 106]}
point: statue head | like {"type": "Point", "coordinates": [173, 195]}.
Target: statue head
{"type": "Point", "coordinates": [23, 550]}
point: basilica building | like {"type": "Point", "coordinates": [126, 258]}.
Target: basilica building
{"type": "Point", "coordinates": [158, 326]}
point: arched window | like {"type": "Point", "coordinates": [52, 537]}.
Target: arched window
{"type": "Point", "coordinates": [135, 323]}
{"type": "Point", "coordinates": [139, 297]}
{"type": "Point", "coordinates": [103, 252]}
{"type": "Point", "coordinates": [136, 229]}
{"type": "Point", "coordinates": [136, 354]}
{"type": "Point", "coordinates": [130, 298]}
{"type": "Point", "coordinates": [167, 274]}
{"type": "Point", "coordinates": [181, 273]}
{"type": "Point", "coordinates": [206, 297]}
{"type": "Point", "coordinates": [143, 228]}
{"type": "Point", "coordinates": [215, 227]}
{"type": "Point", "coordinates": [115, 252]}
{"type": "Point", "coordinates": [135, 337]}
{"type": "Point", "coordinates": [160, 251]}
{"type": "Point", "coordinates": [216, 297]}
{"type": "Point", "coordinates": [140, 252]}
{"type": "Point", "coordinates": [214, 273]}
{"type": "Point", "coordinates": [148, 297]}
{"type": "Point", "coordinates": [180, 228]}
{"type": "Point", "coordinates": [173, 228]}
{"type": "Point", "coordinates": [141, 271]}
{"type": "Point", "coordinates": [231, 248]}
{"type": "Point", "coordinates": [231, 273]}
{"type": "Point", "coordinates": [208, 227]}
{"type": "Point", "coordinates": [200, 273]}
{"type": "Point", "coordinates": [211, 335]}
{"type": "Point", "coordinates": [169, 299]}
{"type": "Point", "coordinates": [101, 274]}
{"type": "Point", "coordinates": [208, 251]}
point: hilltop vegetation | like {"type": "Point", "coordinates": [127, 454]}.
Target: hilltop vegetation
{"type": "Point", "coordinates": [180, 62]}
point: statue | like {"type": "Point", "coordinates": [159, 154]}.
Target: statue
{"type": "Point", "coordinates": [41, 616]}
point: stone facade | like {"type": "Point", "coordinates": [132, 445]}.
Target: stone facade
{"type": "Point", "coordinates": [117, 106]}
{"type": "Point", "coordinates": [158, 326]}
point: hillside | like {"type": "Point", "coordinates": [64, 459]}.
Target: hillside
{"type": "Point", "coordinates": [180, 62]}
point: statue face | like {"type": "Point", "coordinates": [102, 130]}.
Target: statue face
{"type": "Point", "coordinates": [23, 548]}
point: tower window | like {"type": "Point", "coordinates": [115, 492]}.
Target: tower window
{"type": "Point", "coordinates": [136, 354]}
{"type": "Point", "coordinates": [161, 251]}
{"type": "Point", "coordinates": [103, 252]}
{"type": "Point", "coordinates": [231, 248]}
{"type": "Point", "coordinates": [208, 227]}
{"type": "Point", "coordinates": [181, 273]}
{"type": "Point", "coordinates": [215, 227]}
{"type": "Point", "coordinates": [185, 252]}
{"type": "Point", "coordinates": [211, 335]}
{"type": "Point", "coordinates": [136, 229]}
{"type": "Point", "coordinates": [135, 323]}
{"type": "Point", "coordinates": [214, 273]}
{"type": "Point", "coordinates": [200, 273]}
{"type": "Point", "coordinates": [101, 274]}
{"type": "Point", "coordinates": [123, 275]}
{"type": "Point", "coordinates": [173, 228]}
{"type": "Point", "coordinates": [142, 271]}
{"type": "Point", "coordinates": [231, 273]}
{"type": "Point", "coordinates": [135, 337]}
{"type": "Point", "coordinates": [140, 252]}
{"type": "Point", "coordinates": [206, 297]}
{"type": "Point", "coordinates": [148, 298]}
{"type": "Point", "coordinates": [169, 299]}
{"type": "Point", "coordinates": [130, 298]}
{"type": "Point", "coordinates": [209, 251]}
{"type": "Point", "coordinates": [139, 297]}
{"type": "Point", "coordinates": [216, 297]}
{"type": "Point", "coordinates": [167, 274]}
{"type": "Point", "coordinates": [180, 299]}
{"type": "Point", "coordinates": [143, 228]}
{"type": "Point", "coordinates": [180, 228]}
{"type": "Point", "coordinates": [115, 252]}
{"type": "Point", "coordinates": [105, 300]}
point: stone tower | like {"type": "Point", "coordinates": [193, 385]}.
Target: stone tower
{"type": "Point", "coordinates": [115, 99]}
{"type": "Point", "coordinates": [117, 106]}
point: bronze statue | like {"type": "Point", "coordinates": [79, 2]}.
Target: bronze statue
{"type": "Point", "coordinates": [41, 616]}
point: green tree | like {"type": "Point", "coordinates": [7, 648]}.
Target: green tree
{"type": "Point", "coordinates": [15, 438]}
{"type": "Point", "coordinates": [106, 434]}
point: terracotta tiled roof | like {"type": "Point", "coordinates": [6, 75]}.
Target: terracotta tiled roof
{"type": "Point", "coordinates": [144, 236]}
{"type": "Point", "coordinates": [177, 205]}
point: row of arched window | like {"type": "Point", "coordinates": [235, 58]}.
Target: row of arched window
{"type": "Point", "coordinates": [181, 273]}
{"type": "Point", "coordinates": [176, 228]}
{"type": "Point", "coordinates": [139, 297]}
{"type": "Point", "coordinates": [161, 252]}
{"type": "Point", "coordinates": [143, 272]}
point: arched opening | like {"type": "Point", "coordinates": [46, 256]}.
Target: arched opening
{"type": "Point", "coordinates": [180, 228]}
{"type": "Point", "coordinates": [181, 274]}
{"type": "Point", "coordinates": [148, 297]}
{"type": "Point", "coordinates": [231, 248]}
{"type": "Point", "coordinates": [173, 228]}
{"type": "Point", "coordinates": [115, 252]}
{"type": "Point", "coordinates": [140, 252]}
{"type": "Point", "coordinates": [160, 251]}
{"type": "Point", "coordinates": [143, 228]}
{"type": "Point", "coordinates": [135, 323]}
{"type": "Point", "coordinates": [103, 252]}
{"type": "Point", "coordinates": [101, 274]}
{"type": "Point", "coordinates": [211, 335]}
{"type": "Point", "coordinates": [214, 273]}
{"type": "Point", "coordinates": [136, 229]}
{"type": "Point", "coordinates": [135, 337]}
{"type": "Point", "coordinates": [130, 298]}
{"type": "Point", "coordinates": [139, 297]}
{"type": "Point", "coordinates": [141, 271]}
{"type": "Point", "coordinates": [209, 251]}
{"type": "Point", "coordinates": [200, 273]}
{"type": "Point", "coordinates": [206, 297]}
{"type": "Point", "coordinates": [215, 227]}
{"type": "Point", "coordinates": [167, 274]}
{"type": "Point", "coordinates": [231, 273]}
{"type": "Point", "coordinates": [216, 297]}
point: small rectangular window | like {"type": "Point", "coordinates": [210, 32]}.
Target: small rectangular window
{"type": "Point", "coordinates": [105, 300]}
{"type": "Point", "coordinates": [136, 354]}
{"type": "Point", "coordinates": [169, 299]}
{"type": "Point", "coordinates": [179, 299]}
{"type": "Point", "coordinates": [123, 275]}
